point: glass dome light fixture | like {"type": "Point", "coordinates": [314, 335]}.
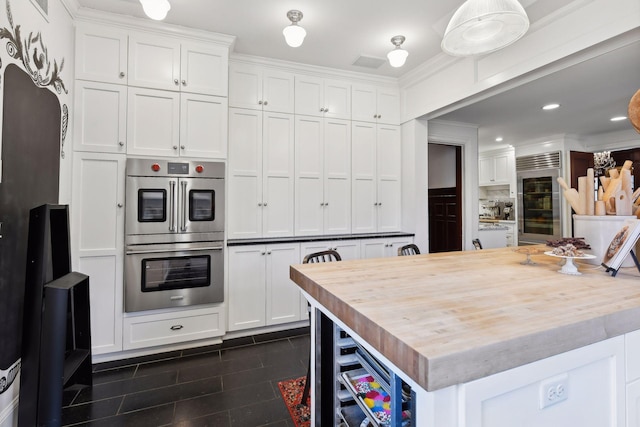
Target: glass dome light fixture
{"type": "Point", "coordinates": [294, 34]}
{"type": "Point", "coordinates": [397, 56]}
{"type": "Point", "coordinates": [156, 9]}
{"type": "Point", "coordinates": [484, 26]}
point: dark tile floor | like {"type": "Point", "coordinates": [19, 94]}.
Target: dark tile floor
{"type": "Point", "coordinates": [231, 384]}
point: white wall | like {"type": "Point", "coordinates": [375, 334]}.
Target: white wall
{"type": "Point", "coordinates": [442, 166]}
{"type": "Point", "coordinates": [57, 36]}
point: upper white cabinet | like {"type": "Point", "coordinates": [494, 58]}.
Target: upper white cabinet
{"type": "Point", "coordinates": [323, 98]}
{"type": "Point", "coordinates": [261, 89]}
{"type": "Point", "coordinates": [163, 123]}
{"type": "Point", "coordinates": [164, 63]}
{"type": "Point", "coordinates": [376, 177]}
{"type": "Point", "coordinates": [261, 174]}
{"type": "Point", "coordinates": [375, 104]}
{"type": "Point", "coordinates": [323, 178]}
{"type": "Point", "coordinates": [101, 54]}
{"type": "Point", "coordinates": [498, 168]}
{"type": "Point", "coordinates": [100, 120]}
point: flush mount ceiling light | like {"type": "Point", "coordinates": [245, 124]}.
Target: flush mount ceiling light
{"type": "Point", "coordinates": [397, 56]}
{"type": "Point", "coordinates": [551, 106]}
{"type": "Point", "coordinates": [156, 9]}
{"type": "Point", "coordinates": [484, 26]}
{"type": "Point", "coordinates": [618, 118]}
{"type": "Point", "coordinates": [294, 34]}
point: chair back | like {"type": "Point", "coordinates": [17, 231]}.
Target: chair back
{"type": "Point", "coordinates": [323, 256]}
{"type": "Point", "coordinates": [477, 244]}
{"type": "Point", "coordinates": [409, 249]}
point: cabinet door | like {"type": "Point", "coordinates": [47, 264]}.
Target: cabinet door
{"type": "Point", "coordinates": [278, 91]}
{"type": "Point", "coordinates": [486, 171]}
{"type": "Point", "coordinates": [337, 99]}
{"type": "Point", "coordinates": [633, 404]}
{"type": "Point", "coordinates": [97, 198]}
{"type": "Point", "coordinates": [153, 128]}
{"type": "Point", "coordinates": [373, 248]}
{"type": "Point", "coordinates": [309, 92]}
{"type": "Point", "coordinates": [309, 176]}
{"type": "Point", "coordinates": [348, 249]}
{"type": "Point", "coordinates": [245, 174]}
{"type": "Point", "coordinates": [337, 176]}
{"type": "Point", "coordinates": [278, 174]}
{"type": "Point", "coordinates": [283, 296]}
{"type": "Point", "coordinates": [389, 169]}
{"type": "Point", "coordinates": [247, 294]}
{"type": "Point", "coordinates": [203, 126]}
{"type": "Point", "coordinates": [501, 165]}
{"type": "Point", "coordinates": [396, 243]}
{"type": "Point", "coordinates": [204, 69]}
{"type": "Point", "coordinates": [363, 105]}
{"type": "Point", "coordinates": [245, 86]}
{"type": "Point", "coordinates": [388, 103]}
{"type": "Point", "coordinates": [101, 54]}
{"type": "Point", "coordinates": [154, 62]}
{"type": "Point", "coordinates": [100, 121]}
{"type": "Point", "coordinates": [363, 177]}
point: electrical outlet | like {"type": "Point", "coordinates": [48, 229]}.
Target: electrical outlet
{"type": "Point", "coordinates": [554, 390]}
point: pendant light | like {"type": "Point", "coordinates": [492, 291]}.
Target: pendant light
{"type": "Point", "coordinates": [156, 9]}
{"type": "Point", "coordinates": [294, 34]}
{"type": "Point", "coordinates": [397, 56]}
{"type": "Point", "coordinates": [484, 26]}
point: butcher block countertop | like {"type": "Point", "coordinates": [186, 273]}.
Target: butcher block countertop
{"type": "Point", "coordinates": [450, 318]}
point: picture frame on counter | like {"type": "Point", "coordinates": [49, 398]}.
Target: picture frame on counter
{"type": "Point", "coordinates": [621, 246]}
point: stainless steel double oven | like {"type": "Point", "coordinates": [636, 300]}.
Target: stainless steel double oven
{"type": "Point", "coordinates": [174, 233]}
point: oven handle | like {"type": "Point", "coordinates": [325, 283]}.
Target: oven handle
{"type": "Point", "coordinates": [157, 251]}
{"type": "Point", "coordinates": [183, 227]}
{"type": "Point", "coordinates": [172, 192]}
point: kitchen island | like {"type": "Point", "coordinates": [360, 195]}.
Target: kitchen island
{"type": "Point", "coordinates": [483, 340]}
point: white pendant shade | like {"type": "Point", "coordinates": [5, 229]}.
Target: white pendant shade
{"type": "Point", "coordinates": [484, 26]}
{"type": "Point", "coordinates": [397, 57]}
{"type": "Point", "coordinates": [156, 9]}
{"type": "Point", "coordinates": [294, 35]}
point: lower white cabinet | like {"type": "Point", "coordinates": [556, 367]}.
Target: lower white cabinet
{"type": "Point", "coordinates": [148, 330]}
{"type": "Point", "coordinates": [348, 249]}
{"type": "Point", "coordinates": [97, 235]}
{"type": "Point", "coordinates": [379, 248]}
{"type": "Point", "coordinates": [260, 291]}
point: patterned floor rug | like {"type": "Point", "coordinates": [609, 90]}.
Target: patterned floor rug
{"type": "Point", "coordinates": [292, 393]}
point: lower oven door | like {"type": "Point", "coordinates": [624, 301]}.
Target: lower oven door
{"type": "Point", "coordinates": [173, 275]}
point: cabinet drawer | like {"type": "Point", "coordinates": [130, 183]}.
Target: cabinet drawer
{"type": "Point", "coordinates": [170, 328]}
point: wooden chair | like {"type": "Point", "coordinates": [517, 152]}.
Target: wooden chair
{"type": "Point", "coordinates": [316, 257]}
{"type": "Point", "coordinates": [409, 249]}
{"type": "Point", "coordinates": [477, 244]}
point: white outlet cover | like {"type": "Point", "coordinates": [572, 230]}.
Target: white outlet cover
{"type": "Point", "coordinates": [554, 390]}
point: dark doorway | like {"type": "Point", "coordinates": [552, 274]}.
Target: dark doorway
{"type": "Point", "coordinates": [30, 171]}
{"type": "Point", "coordinates": [445, 212]}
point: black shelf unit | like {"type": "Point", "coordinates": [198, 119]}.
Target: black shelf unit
{"type": "Point", "coordinates": [56, 338]}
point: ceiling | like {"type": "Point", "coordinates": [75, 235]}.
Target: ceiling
{"type": "Point", "coordinates": [339, 31]}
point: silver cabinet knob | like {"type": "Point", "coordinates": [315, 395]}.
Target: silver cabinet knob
{"type": "Point", "coordinates": [268, 252]}
{"type": "Point", "coordinates": [265, 204]}
{"type": "Point", "coordinates": [176, 82]}
{"type": "Point", "coordinates": [120, 205]}
{"type": "Point", "coordinates": [375, 116]}
{"type": "Point", "coordinates": [121, 144]}
{"type": "Point", "coordinates": [263, 252]}
{"type": "Point", "coordinates": [266, 102]}
{"type": "Point", "coordinates": [122, 74]}
{"type": "Point", "coordinates": [322, 110]}
{"type": "Point", "coordinates": [182, 147]}
{"type": "Point", "coordinates": [260, 102]}
{"type": "Point", "coordinates": [259, 204]}
{"type": "Point", "coordinates": [184, 83]}
{"type": "Point", "coordinates": [326, 110]}
{"type": "Point", "coordinates": [175, 147]}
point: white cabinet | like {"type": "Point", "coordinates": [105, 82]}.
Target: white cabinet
{"type": "Point", "coordinates": [633, 404]}
{"type": "Point", "coordinates": [512, 234]}
{"type": "Point", "coordinates": [498, 169]}
{"type": "Point", "coordinates": [323, 98]}
{"type": "Point", "coordinates": [101, 54]}
{"type": "Point", "coordinates": [323, 179]}
{"type": "Point", "coordinates": [380, 248]}
{"type": "Point", "coordinates": [261, 89]}
{"type": "Point", "coordinates": [261, 174]}
{"type": "Point", "coordinates": [348, 249]}
{"type": "Point", "coordinates": [163, 123]}
{"type": "Point", "coordinates": [375, 104]}
{"type": "Point", "coordinates": [260, 291]}
{"type": "Point", "coordinates": [375, 173]}
{"type": "Point", "coordinates": [100, 120]}
{"type": "Point", "coordinates": [97, 230]}
{"type": "Point", "coordinates": [148, 330]}
{"type": "Point", "coordinates": [166, 63]}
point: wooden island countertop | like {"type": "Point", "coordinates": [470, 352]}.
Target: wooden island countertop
{"type": "Point", "coordinates": [451, 318]}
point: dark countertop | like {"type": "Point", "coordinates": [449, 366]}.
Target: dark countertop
{"type": "Point", "coordinates": [292, 239]}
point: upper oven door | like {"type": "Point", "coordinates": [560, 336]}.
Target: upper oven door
{"type": "Point", "coordinates": [151, 205]}
{"type": "Point", "coordinates": [200, 205]}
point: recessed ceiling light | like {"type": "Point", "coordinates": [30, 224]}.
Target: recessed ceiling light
{"type": "Point", "coordinates": [619, 118]}
{"type": "Point", "coordinates": [550, 106]}
{"type": "Point", "coordinates": [499, 139]}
